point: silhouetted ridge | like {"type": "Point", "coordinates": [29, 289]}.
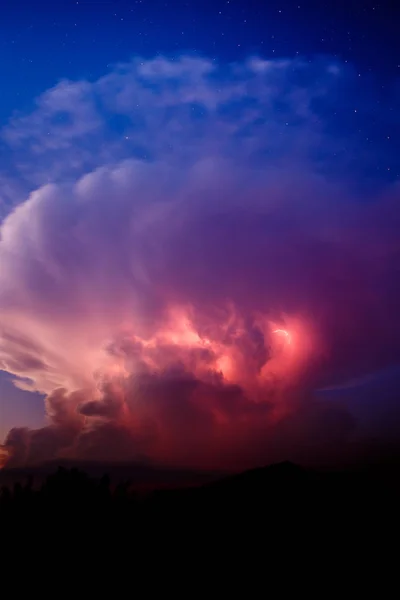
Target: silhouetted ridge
{"type": "Point", "coordinates": [262, 508]}
{"type": "Point", "coordinates": [284, 473]}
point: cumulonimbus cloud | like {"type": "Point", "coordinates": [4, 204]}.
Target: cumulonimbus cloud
{"type": "Point", "coordinates": [191, 272]}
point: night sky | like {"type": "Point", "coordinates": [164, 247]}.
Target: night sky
{"type": "Point", "coordinates": [199, 212]}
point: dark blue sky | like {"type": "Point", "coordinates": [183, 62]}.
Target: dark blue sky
{"type": "Point", "coordinates": [44, 41]}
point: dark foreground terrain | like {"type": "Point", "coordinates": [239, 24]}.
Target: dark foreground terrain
{"type": "Point", "coordinates": [268, 521]}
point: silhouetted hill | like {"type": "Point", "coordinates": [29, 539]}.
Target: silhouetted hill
{"type": "Point", "coordinates": [283, 508]}
{"type": "Point", "coordinates": [279, 474]}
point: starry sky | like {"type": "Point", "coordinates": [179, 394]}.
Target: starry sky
{"type": "Point", "coordinates": [273, 132]}
{"type": "Point", "coordinates": [44, 43]}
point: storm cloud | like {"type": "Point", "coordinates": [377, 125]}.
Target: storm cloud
{"type": "Point", "coordinates": [191, 262]}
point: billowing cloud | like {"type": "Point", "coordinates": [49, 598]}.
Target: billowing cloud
{"type": "Point", "coordinates": [193, 265]}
